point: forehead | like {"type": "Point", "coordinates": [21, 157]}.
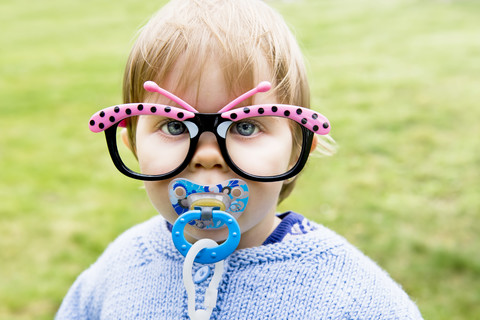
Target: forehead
{"type": "Point", "coordinates": [211, 86]}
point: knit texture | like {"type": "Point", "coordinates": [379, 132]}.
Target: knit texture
{"type": "Point", "coordinates": [317, 275]}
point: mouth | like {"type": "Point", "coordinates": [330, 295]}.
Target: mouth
{"type": "Point", "coordinates": [230, 196]}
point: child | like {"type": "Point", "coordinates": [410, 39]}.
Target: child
{"type": "Point", "coordinates": [189, 131]}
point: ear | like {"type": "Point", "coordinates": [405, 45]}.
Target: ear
{"type": "Point", "coordinates": [314, 143]}
{"type": "Point", "coordinates": [125, 139]}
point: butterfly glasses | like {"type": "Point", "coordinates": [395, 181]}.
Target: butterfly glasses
{"type": "Point", "coordinates": [268, 142]}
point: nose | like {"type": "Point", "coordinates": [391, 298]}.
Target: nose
{"type": "Point", "coordinates": [207, 154]}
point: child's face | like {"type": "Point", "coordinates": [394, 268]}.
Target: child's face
{"type": "Point", "coordinates": [208, 166]}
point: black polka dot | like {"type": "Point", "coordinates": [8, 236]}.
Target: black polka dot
{"type": "Point", "coordinates": [153, 109]}
{"type": "Point", "coordinates": [304, 121]}
{"type": "Point", "coordinates": [246, 110]}
{"type": "Point", "coordinates": [101, 126]}
{"type": "Point", "coordinates": [286, 113]}
{"type": "Point", "coordinates": [315, 128]}
{"type": "Point", "coordinates": [102, 114]}
{"type": "Point", "coordinates": [261, 110]}
{"type": "Point", "coordinates": [128, 111]}
{"type": "Point", "coordinates": [233, 116]}
{"type": "Point", "coordinates": [140, 107]}
{"type": "Point", "coordinates": [325, 125]}
{"type": "Point", "coordinates": [314, 116]}
{"type": "Point", "coordinates": [274, 109]}
{"type": "Point", "coordinates": [299, 111]}
{"type": "Point", "coordinates": [92, 123]}
{"type": "Point", "coordinates": [168, 109]}
{"type": "Point", "coordinates": [112, 119]}
{"type": "Point", "coordinates": [116, 109]}
{"type": "Point", "coordinates": [180, 115]}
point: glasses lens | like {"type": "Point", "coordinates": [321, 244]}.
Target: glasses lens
{"type": "Point", "coordinates": [158, 146]}
{"type": "Point", "coordinates": [264, 146]}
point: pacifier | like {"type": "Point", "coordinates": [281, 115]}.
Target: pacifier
{"type": "Point", "coordinates": [208, 207]}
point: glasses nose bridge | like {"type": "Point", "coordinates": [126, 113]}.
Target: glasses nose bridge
{"type": "Point", "coordinates": [214, 123]}
{"type": "Point", "coordinates": [208, 122]}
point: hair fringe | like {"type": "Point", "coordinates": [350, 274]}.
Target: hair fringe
{"type": "Point", "coordinates": [326, 146]}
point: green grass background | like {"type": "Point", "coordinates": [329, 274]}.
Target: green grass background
{"type": "Point", "coordinates": [399, 80]}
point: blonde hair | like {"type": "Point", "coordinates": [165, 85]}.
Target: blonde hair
{"type": "Point", "coordinates": [240, 35]}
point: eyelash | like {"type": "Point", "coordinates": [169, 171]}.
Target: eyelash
{"type": "Point", "coordinates": [163, 127]}
{"type": "Point", "coordinates": [258, 127]}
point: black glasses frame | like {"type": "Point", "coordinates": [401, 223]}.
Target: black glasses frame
{"type": "Point", "coordinates": [218, 125]}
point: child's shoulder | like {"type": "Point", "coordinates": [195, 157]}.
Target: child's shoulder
{"type": "Point", "coordinates": [141, 242]}
{"type": "Point", "coordinates": [137, 247]}
{"type": "Point", "coordinates": [327, 274]}
{"type": "Point", "coordinates": [129, 264]}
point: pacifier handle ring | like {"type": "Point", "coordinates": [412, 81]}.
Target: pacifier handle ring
{"type": "Point", "coordinates": [208, 255]}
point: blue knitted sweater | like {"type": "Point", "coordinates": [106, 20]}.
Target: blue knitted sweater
{"type": "Point", "coordinates": [312, 275]}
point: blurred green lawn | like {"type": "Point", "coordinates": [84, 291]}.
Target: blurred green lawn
{"type": "Point", "coordinates": [399, 80]}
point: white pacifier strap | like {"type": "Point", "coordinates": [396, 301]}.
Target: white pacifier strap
{"type": "Point", "coordinates": [210, 300]}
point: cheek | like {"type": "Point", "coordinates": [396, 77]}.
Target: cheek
{"type": "Point", "coordinates": [268, 155]}
{"type": "Point", "coordinates": [262, 202]}
{"type": "Point", "coordinates": [155, 156]}
{"type": "Point", "coordinates": [157, 192]}
{"type": "Point", "coordinates": [264, 194]}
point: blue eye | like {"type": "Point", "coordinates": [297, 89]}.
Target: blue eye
{"type": "Point", "coordinates": [245, 128]}
{"type": "Point", "coordinates": [174, 128]}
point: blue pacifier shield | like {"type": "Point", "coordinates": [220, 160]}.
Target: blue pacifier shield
{"type": "Point", "coordinates": [230, 196]}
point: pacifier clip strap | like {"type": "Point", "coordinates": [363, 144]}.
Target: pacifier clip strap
{"type": "Point", "coordinates": [211, 293]}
